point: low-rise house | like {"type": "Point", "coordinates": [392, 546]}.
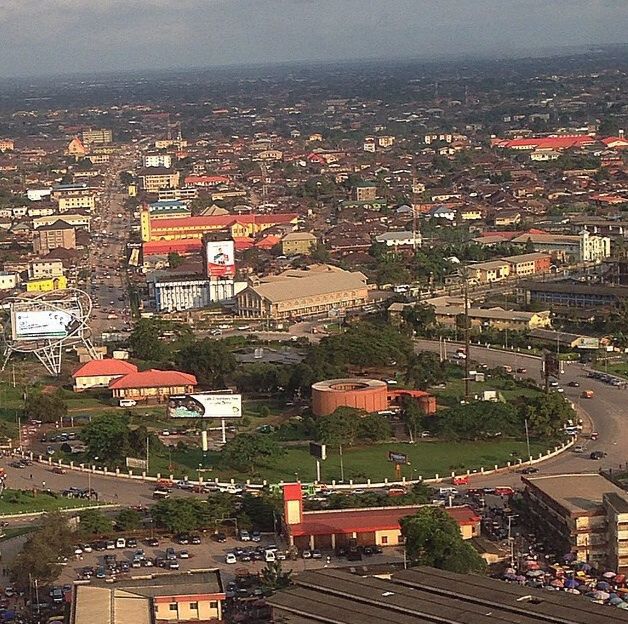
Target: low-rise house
{"type": "Point", "coordinates": [100, 373]}
{"type": "Point", "coordinates": [152, 384]}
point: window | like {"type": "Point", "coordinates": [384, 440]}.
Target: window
{"type": "Point", "coordinates": [173, 606]}
{"type": "Point", "coordinates": [194, 605]}
{"type": "Point", "coordinates": [213, 604]}
{"type": "Point", "coordinates": [384, 539]}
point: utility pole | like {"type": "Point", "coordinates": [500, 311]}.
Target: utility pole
{"type": "Point", "coordinates": [342, 466]}
{"type": "Point", "coordinates": [466, 336]}
{"type": "Point", "coordinates": [527, 438]}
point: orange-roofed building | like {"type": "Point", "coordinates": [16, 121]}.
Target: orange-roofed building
{"type": "Point", "coordinates": [616, 142]}
{"type": "Point", "coordinates": [152, 385]}
{"type": "Point", "coordinates": [76, 148]}
{"type": "Point", "coordinates": [100, 373]}
{"type": "Point", "coordinates": [368, 526]}
{"type": "Point", "coordinates": [563, 142]}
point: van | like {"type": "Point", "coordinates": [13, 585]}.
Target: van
{"type": "Point", "coordinates": [121, 542]}
{"type": "Point", "coordinates": [127, 403]}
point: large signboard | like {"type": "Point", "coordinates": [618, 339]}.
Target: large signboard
{"type": "Point", "coordinates": [43, 324]}
{"type": "Point", "coordinates": [552, 365]}
{"type": "Point", "coordinates": [220, 258]}
{"type": "Point", "coordinates": [205, 405]}
{"type": "Point", "coordinates": [319, 451]}
{"type": "Point", "coordinates": [397, 458]}
{"type": "Point", "coordinates": [132, 462]}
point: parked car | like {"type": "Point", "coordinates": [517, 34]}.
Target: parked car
{"type": "Point", "coordinates": [597, 455]}
{"type": "Point", "coordinates": [245, 536]}
{"type": "Point", "coordinates": [230, 558]}
{"type": "Point", "coordinates": [220, 537]}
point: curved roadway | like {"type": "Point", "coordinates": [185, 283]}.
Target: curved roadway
{"type": "Point", "coordinates": [608, 411]}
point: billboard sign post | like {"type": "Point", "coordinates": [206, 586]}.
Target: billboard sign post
{"type": "Point", "coordinates": [132, 462]}
{"type": "Point", "coordinates": [397, 458]}
{"type": "Point", "coordinates": [205, 405]}
{"type": "Point", "coordinates": [220, 257]}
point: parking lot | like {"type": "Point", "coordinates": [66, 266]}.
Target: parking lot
{"type": "Point", "coordinates": [102, 559]}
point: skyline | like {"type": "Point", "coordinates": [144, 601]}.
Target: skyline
{"type": "Point", "coordinates": [74, 36]}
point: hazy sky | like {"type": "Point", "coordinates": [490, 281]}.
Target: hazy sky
{"type": "Point", "coordinates": [52, 36]}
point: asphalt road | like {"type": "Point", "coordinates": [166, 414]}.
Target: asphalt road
{"type": "Point", "coordinates": [607, 410]}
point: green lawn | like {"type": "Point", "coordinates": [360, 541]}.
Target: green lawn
{"type": "Point", "coordinates": [454, 392]}
{"type": "Point", "coordinates": [22, 501]}
{"type": "Point", "coordinates": [426, 458]}
{"type": "Point", "coordinates": [614, 368]}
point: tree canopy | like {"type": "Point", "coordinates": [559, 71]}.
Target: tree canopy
{"type": "Point", "coordinates": [347, 425]}
{"type": "Point", "coordinates": [246, 451]}
{"type": "Point", "coordinates": [46, 407]}
{"type": "Point", "coordinates": [433, 538]}
{"type": "Point", "coordinates": [210, 360]}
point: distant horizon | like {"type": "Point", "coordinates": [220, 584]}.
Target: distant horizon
{"type": "Point", "coordinates": [76, 37]}
{"type": "Point", "coordinates": [554, 52]}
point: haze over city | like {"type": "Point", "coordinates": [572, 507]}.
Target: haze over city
{"type": "Point", "coordinates": [66, 36]}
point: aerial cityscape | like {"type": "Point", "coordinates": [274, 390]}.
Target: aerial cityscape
{"type": "Point", "coordinates": [318, 331]}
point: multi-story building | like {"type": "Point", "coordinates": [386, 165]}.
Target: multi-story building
{"type": "Point", "coordinates": [72, 201]}
{"type": "Point", "coordinates": [491, 271]}
{"type": "Point", "coordinates": [493, 318]}
{"type": "Point", "coordinates": [570, 294]}
{"type": "Point", "coordinates": [6, 145]}
{"type": "Point", "coordinates": [58, 234]}
{"type": "Point", "coordinates": [157, 159]}
{"type": "Point", "coordinates": [47, 284]}
{"type": "Point", "coordinates": [97, 137]}
{"type": "Point", "coordinates": [184, 193]}
{"type": "Point", "coordinates": [404, 238]}
{"type": "Point", "coordinates": [239, 226]}
{"type": "Point", "coordinates": [581, 513]}
{"type": "Point", "coordinates": [155, 179]}
{"type": "Point", "coordinates": [76, 220]}
{"type": "Point", "coordinates": [364, 191]}
{"type": "Point", "coordinates": [298, 243]}
{"type": "Point", "coordinates": [169, 209]}
{"type": "Point", "coordinates": [38, 269]}
{"type": "Point", "coordinates": [9, 280]}
{"type": "Point", "coordinates": [175, 294]}
{"type": "Point", "coordinates": [584, 247]}
{"type": "Point", "coordinates": [529, 264]}
{"type": "Point", "coordinates": [298, 293]}
{"type": "Point", "coordinates": [149, 599]}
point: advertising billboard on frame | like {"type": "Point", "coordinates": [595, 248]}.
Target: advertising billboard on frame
{"type": "Point", "coordinates": [205, 405]}
{"type": "Point", "coordinates": [220, 258]}
{"type": "Point", "coordinates": [43, 324]}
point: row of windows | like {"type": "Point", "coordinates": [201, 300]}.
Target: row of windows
{"type": "Point", "coordinates": [213, 604]}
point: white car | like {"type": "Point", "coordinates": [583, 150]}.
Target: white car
{"type": "Point", "coordinates": [245, 536]}
{"type": "Point", "coordinates": [121, 542]}
{"type": "Point", "coordinates": [231, 558]}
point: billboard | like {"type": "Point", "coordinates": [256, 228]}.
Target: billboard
{"type": "Point", "coordinates": [132, 462]}
{"type": "Point", "coordinates": [220, 257]}
{"type": "Point", "coordinates": [319, 451]}
{"type": "Point", "coordinates": [552, 365]}
{"type": "Point", "coordinates": [40, 324]}
{"type": "Point", "coordinates": [205, 405]}
{"type": "Point", "coordinates": [397, 458]}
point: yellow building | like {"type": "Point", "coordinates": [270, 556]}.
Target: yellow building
{"type": "Point", "coordinates": [494, 318]}
{"type": "Point", "coordinates": [47, 284]}
{"type": "Point", "coordinates": [77, 200]}
{"type": "Point", "coordinates": [487, 272]}
{"type": "Point", "coordinates": [76, 148]}
{"type": "Point", "coordinates": [154, 179]}
{"type": "Point", "coordinates": [298, 243]}
{"type": "Point", "coordinates": [150, 598]}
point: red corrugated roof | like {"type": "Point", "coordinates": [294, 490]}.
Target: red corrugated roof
{"type": "Point", "coordinates": [559, 142]}
{"type": "Point", "coordinates": [368, 520]}
{"type": "Point", "coordinates": [292, 491]}
{"type": "Point", "coordinates": [104, 368]}
{"type": "Point", "coordinates": [166, 246]}
{"type": "Point", "coordinates": [221, 220]}
{"type": "Point", "coordinates": [153, 378]}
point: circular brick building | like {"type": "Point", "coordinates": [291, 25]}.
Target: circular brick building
{"type": "Point", "coordinates": [370, 395]}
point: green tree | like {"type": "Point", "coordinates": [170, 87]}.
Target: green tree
{"type": "Point", "coordinates": [433, 538]}
{"type": "Point", "coordinates": [146, 341]}
{"type": "Point", "coordinates": [547, 415]}
{"type": "Point", "coordinates": [479, 420]}
{"type": "Point", "coordinates": [262, 510]}
{"type": "Point", "coordinates": [273, 577]}
{"type": "Point", "coordinates": [174, 260]}
{"type": "Point", "coordinates": [94, 522]}
{"type": "Point", "coordinates": [129, 520]}
{"type": "Point", "coordinates": [210, 360]}
{"type": "Point", "coordinates": [39, 557]}
{"type": "Point", "coordinates": [374, 427]}
{"type": "Point", "coordinates": [419, 317]}
{"type": "Point", "coordinates": [246, 451]}
{"type": "Point", "coordinates": [46, 407]}
{"type": "Point", "coordinates": [180, 515]}
{"type": "Point", "coordinates": [425, 369]}
{"type": "Point", "coordinates": [106, 437]}
{"type": "Point", "coordinates": [412, 416]}
{"type": "Point", "coordinates": [340, 427]}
